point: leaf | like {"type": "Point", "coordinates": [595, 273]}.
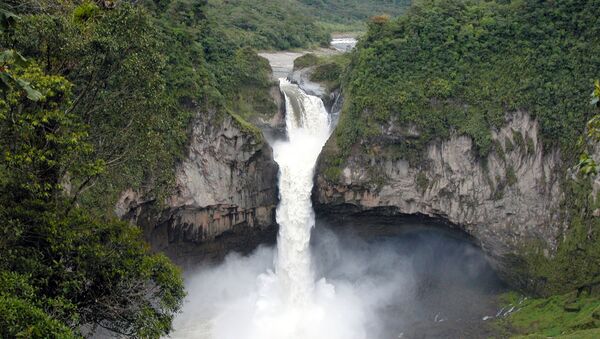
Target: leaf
{"type": "Point", "coordinates": [7, 19]}
{"type": "Point", "coordinates": [32, 94]}
{"type": "Point", "coordinates": [5, 81]}
{"type": "Point", "coordinates": [11, 55]}
{"type": "Point", "coordinates": [19, 59]}
{"type": "Point", "coordinates": [596, 93]}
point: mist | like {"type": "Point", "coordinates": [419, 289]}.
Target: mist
{"type": "Point", "coordinates": [374, 281]}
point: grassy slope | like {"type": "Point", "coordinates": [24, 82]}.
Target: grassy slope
{"type": "Point", "coordinates": [558, 316]}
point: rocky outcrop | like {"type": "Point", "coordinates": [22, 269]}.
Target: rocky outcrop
{"type": "Point", "coordinates": [504, 201]}
{"type": "Point", "coordinates": [225, 188]}
{"type": "Point", "coordinates": [333, 100]}
{"type": "Point", "coordinates": [301, 77]}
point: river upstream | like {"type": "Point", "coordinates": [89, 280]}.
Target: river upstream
{"type": "Point", "coordinates": [359, 279]}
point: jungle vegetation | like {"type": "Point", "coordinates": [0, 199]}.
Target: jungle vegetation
{"type": "Point", "coordinates": [462, 68]}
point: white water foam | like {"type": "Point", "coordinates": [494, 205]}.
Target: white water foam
{"type": "Point", "coordinates": [308, 129]}
{"type": "Point", "coordinates": [289, 302]}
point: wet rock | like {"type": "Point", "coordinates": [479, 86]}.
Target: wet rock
{"type": "Point", "coordinates": [301, 78]}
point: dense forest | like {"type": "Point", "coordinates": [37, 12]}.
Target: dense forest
{"type": "Point", "coordinates": [461, 65]}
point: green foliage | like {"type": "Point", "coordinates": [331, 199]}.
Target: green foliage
{"type": "Point", "coordinates": [21, 319]}
{"type": "Point", "coordinates": [587, 165]}
{"type": "Point", "coordinates": [249, 95]}
{"type": "Point", "coordinates": [511, 177]}
{"type": "Point", "coordinates": [307, 60]}
{"type": "Point", "coordinates": [8, 80]}
{"type": "Point", "coordinates": [88, 271]}
{"type": "Point", "coordinates": [7, 19]}
{"type": "Point", "coordinates": [86, 11]}
{"type": "Point", "coordinates": [351, 15]}
{"type": "Point", "coordinates": [530, 145]}
{"type": "Point", "coordinates": [422, 181]}
{"type": "Point", "coordinates": [572, 315]}
{"type": "Point", "coordinates": [576, 263]}
{"type": "Point", "coordinates": [140, 74]}
{"type": "Point", "coordinates": [116, 65]}
{"type": "Point", "coordinates": [63, 267]}
{"type": "Point", "coordinates": [327, 72]}
{"type": "Point", "coordinates": [497, 146]}
{"type": "Point", "coordinates": [21, 315]}
{"type": "Point", "coordinates": [509, 145]}
{"type": "Point", "coordinates": [332, 173]}
{"type": "Point", "coordinates": [37, 138]}
{"type": "Point", "coordinates": [246, 126]}
{"type": "Point", "coordinates": [462, 65]}
{"type": "Point", "coordinates": [266, 24]}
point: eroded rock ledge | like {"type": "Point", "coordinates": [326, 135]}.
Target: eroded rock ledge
{"type": "Point", "coordinates": [226, 188]}
{"type": "Point", "coordinates": [504, 202]}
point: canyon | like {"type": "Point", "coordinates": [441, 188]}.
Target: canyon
{"type": "Point", "coordinates": [226, 190]}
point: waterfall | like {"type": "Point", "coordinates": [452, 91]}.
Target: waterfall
{"type": "Point", "coordinates": [289, 299]}
{"type": "Point", "coordinates": [374, 289]}
{"type": "Point", "coordinates": [308, 127]}
{"type": "Point", "coordinates": [276, 294]}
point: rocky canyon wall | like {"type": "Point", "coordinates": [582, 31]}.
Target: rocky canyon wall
{"type": "Point", "coordinates": [226, 189]}
{"type": "Point", "coordinates": [504, 201]}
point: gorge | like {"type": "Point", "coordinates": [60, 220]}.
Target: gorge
{"type": "Point", "coordinates": [380, 280]}
{"type": "Point", "coordinates": [299, 169]}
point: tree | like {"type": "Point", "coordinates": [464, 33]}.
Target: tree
{"type": "Point", "coordinates": [81, 270]}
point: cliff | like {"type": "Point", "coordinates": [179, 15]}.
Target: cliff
{"type": "Point", "coordinates": [504, 201]}
{"type": "Point", "coordinates": [226, 188]}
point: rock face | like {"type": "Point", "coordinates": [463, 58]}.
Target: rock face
{"type": "Point", "coordinates": [225, 188]}
{"type": "Point", "coordinates": [301, 78]}
{"type": "Point", "coordinates": [504, 201]}
{"type": "Point", "coordinates": [333, 100]}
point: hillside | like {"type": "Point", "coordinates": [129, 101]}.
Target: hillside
{"type": "Point", "coordinates": [348, 15]}
{"type": "Point", "coordinates": [462, 65]}
{"type": "Point", "coordinates": [265, 24]}
{"type": "Point", "coordinates": [473, 111]}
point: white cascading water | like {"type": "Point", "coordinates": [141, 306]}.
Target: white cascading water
{"type": "Point", "coordinates": [308, 127]}
{"type": "Point", "coordinates": [288, 306]}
